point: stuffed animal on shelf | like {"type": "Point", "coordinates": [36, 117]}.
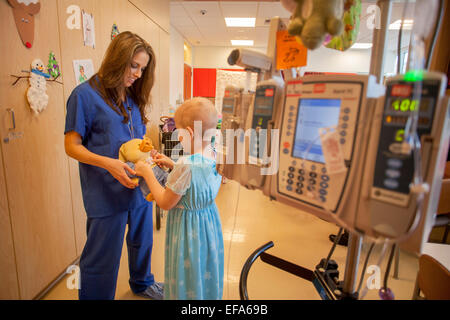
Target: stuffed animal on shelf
{"type": "Point", "coordinates": [36, 94]}
{"type": "Point", "coordinates": [312, 20]}
{"type": "Point", "coordinates": [142, 149]}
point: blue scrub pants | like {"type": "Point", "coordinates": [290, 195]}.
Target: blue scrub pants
{"type": "Point", "coordinates": [100, 260]}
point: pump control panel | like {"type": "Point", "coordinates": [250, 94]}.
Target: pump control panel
{"type": "Point", "coordinates": [310, 106]}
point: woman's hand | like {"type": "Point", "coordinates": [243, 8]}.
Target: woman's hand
{"type": "Point", "coordinates": [163, 161]}
{"type": "Point", "coordinates": [74, 149]}
{"type": "Point", "coordinates": [118, 170]}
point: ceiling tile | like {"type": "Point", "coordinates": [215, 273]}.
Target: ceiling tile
{"type": "Point", "coordinates": [210, 28]}
{"type": "Point", "coordinates": [210, 22]}
{"type": "Point", "coordinates": [268, 10]}
{"type": "Point", "coordinates": [177, 10]}
{"type": "Point", "coordinates": [183, 22]}
{"type": "Point", "coordinates": [194, 9]}
{"type": "Point", "coordinates": [239, 9]}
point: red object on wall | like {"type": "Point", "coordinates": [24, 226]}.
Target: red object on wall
{"type": "Point", "coordinates": [204, 82]}
{"type": "Point", "coordinates": [187, 82]}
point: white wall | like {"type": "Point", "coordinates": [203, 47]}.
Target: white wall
{"type": "Point", "coordinates": [176, 66]}
{"type": "Point", "coordinates": [320, 60]}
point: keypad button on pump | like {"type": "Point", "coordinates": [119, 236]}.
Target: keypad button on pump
{"type": "Point", "coordinates": [391, 184]}
{"type": "Point", "coordinates": [393, 174]}
{"type": "Point", "coordinates": [324, 185]}
{"type": "Point", "coordinates": [395, 163]}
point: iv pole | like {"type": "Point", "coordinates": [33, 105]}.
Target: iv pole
{"type": "Point", "coordinates": [320, 280]}
{"type": "Point", "coordinates": [376, 69]}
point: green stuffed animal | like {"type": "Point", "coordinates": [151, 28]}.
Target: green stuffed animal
{"type": "Point", "coordinates": [312, 20]}
{"type": "Point", "coordinates": [351, 19]}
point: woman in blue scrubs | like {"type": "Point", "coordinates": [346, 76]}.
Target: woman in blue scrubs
{"type": "Point", "coordinates": [102, 114]}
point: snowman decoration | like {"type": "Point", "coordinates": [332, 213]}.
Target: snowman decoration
{"type": "Point", "coordinates": [36, 94]}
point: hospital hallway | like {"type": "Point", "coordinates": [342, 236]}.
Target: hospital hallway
{"type": "Point", "coordinates": [250, 220]}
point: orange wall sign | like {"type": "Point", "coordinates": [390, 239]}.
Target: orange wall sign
{"type": "Point", "coordinates": [290, 53]}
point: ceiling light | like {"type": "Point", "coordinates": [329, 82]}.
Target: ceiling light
{"type": "Point", "coordinates": [240, 22]}
{"type": "Point", "coordinates": [242, 42]}
{"type": "Point", "coordinates": [407, 25]}
{"type": "Point", "coordinates": [361, 45]}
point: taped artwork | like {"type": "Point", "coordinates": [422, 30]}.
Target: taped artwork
{"type": "Point", "coordinates": [88, 29]}
{"type": "Point", "coordinates": [24, 12]}
{"type": "Point", "coordinates": [36, 94]}
{"type": "Point", "coordinates": [84, 69]}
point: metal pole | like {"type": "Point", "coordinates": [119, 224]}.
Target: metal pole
{"type": "Point", "coordinates": [379, 39]}
{"type": "Point", "coordinates": [352, 263]}
{"type": "Point", "coordinates": [376, 69]}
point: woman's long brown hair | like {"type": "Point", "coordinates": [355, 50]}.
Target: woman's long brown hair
{"type": "Point", "coordinates": [109, 80]}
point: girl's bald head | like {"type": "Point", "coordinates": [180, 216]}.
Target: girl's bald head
{"type": "Point", "coordinates": [196, 109]}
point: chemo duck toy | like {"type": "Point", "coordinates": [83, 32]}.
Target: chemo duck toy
{"type": "Point", "coordinates": [142, 149]}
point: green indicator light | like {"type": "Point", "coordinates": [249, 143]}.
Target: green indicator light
{"type": "Point", "coordinates": [413, 76]}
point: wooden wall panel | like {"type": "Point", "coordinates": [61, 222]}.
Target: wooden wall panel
{"type": "Point", "coordinates": [42, 221]}
{"type": "Point", "coordinates": [72, 48]}
{"type": "Point", "coordinates": [35, 165]}
{"type": "Point", "coordinates": [128, 18]}
{"type": "Point", "coordinates": [9, 288]}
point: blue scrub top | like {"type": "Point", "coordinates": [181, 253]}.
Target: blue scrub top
{"type": "Point", "coordinates": [103, 132]}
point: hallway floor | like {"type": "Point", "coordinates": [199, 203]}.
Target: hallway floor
{"type": "Point", "coordinates": [250, 220]}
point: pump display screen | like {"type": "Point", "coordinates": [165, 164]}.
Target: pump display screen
{"type": "Point", "coordinates": [409, 105]}
{"type": "Point", "coordinates": [398, 111]}
{"type": "Point", "coordinates": [314, 114]}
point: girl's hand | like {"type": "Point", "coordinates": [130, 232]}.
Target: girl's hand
{"type": "Point", "coordinates": [163, 161]}
{"type": "Point", "coordinates": [143, 168]}
{"type": "Point", "coordinates": [118, 170]}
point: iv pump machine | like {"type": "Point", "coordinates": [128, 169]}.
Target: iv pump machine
{"type": "Point", "coordinates": [342, 157]}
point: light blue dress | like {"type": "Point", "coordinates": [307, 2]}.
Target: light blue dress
{"type": "Point", "coordinates": [194, 262]}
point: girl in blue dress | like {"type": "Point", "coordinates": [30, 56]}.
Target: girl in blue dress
{"type": "Point", "coordinates": [194, 262]}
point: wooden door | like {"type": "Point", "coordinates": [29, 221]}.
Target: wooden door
{"type": "Point", "coordinates": [35, 165]}
{"type": "Point", "coordinates": [187, 82]}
